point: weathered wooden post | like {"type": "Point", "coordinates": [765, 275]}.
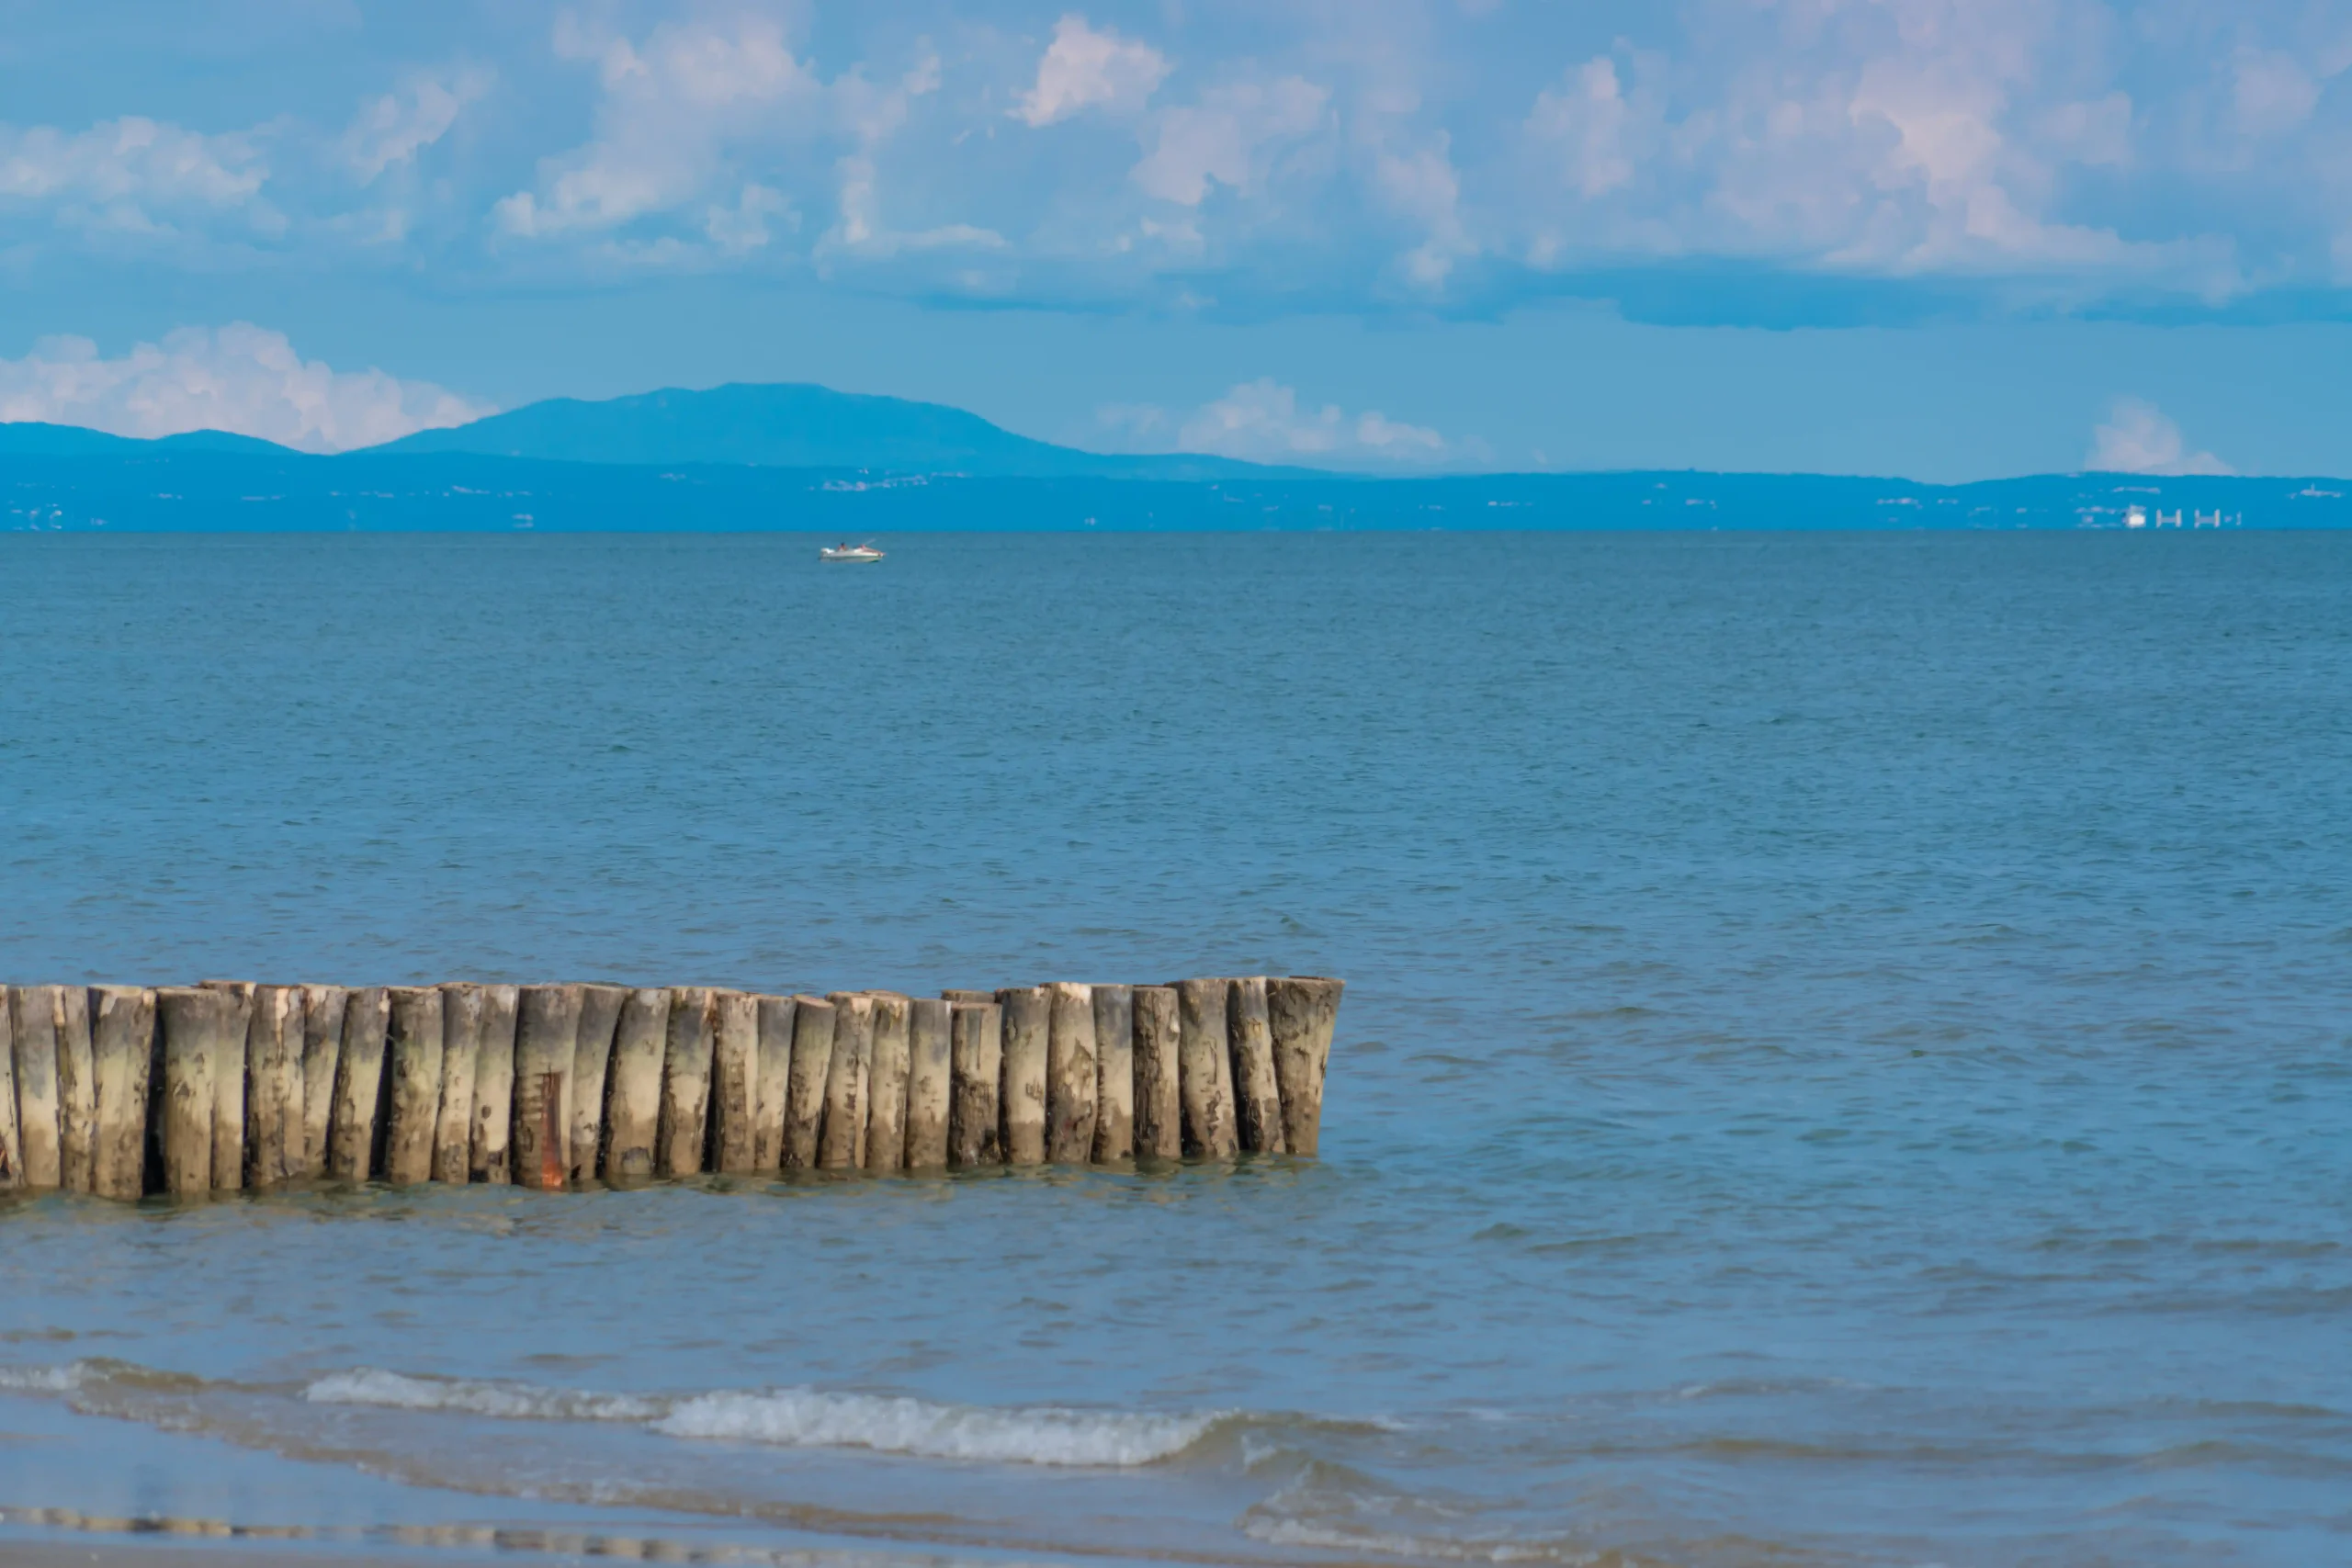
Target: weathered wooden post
{"type": "Point", "coordinates": [489, 1150]}
{"type": "Point", "coordinates": [686, 1081]}
{"type": "Point", "coordinates": [1114, 1081]}
{"type": "Point", "coordinates": [1028, 1025]}
{"type": "Point", "coordinates": [322, 1012]}
{"type": "Point", "coordinates": [772, 1083]}
{"type": "Point", "coordinates": [273, 1087]}
{"type": "Point", "coordinates": [974, 1120]}
{"type": "Point", "coordinates": [358, 1085]}
{"type": "Point", "coordinates": [413, 1053]}
{"type": "Point", "coordinates": [1257, 1104]}
{"type": "Point", "coordinates": [1160, 1105]}
{"type": "Point", "coordinates": [1205, 1068]}
{"type": "Point", "coordinates": [804, 1095]}
{"type": "Point", "coordinates": [453, 1121]}
{"type": "Point", "coordinates": [202, 1031]}
{"type": "Point", "coordinates": [77, 1089]}
{"type": "Point", "coordinates": [841, 1144]}
{"type": "Point", "coordinates": [930, 1080]}
{"type": "Point", "coordinates": [886, 1122]}
{"type": "Point", "coordinates": [1070, 1081]}
{"type": "Point", "coordinates": [122, 1035]}
{"type": "Point", "coordinates": [1303, 1010]}
{"type": "Point", "coordinates": [547, 1038]}
{"type": "Point", "coordinates": [734, 1074]}
{"type": "Point", "coordinates": [599, 1016]}
{"type": "Point", "coordinates": [12, 1148]}
{"type": "Point", "coordinates": [633, 1094]}
{"type": "Point", "coordinates": [983, 998]}
{"type": "Point", "coordinates": [229, 1080]}
{"type": "Point", "coordinates": [35, 1010]}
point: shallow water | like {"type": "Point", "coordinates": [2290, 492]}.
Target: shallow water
{"type": "Point", "coordinates": [1844, 1059]}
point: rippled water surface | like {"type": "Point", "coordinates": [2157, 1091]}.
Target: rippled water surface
{"type": "Point", "coordinates": [1845, 1062]}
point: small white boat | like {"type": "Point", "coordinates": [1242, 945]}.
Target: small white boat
{"type": "Point", "coordinates": [849, 552]}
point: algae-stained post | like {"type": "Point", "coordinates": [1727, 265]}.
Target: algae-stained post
{"type": "Point", "coordinates": [77, 1090]}
{"type": "Point", "coordinates": [734, 1073]}
{"type": "Point", "coordinates": [12, 1151]}
{"type": "Point", "coordinates": [811, 1067]}
{"type": "Point", "coordinates": [494, 1086]}
{"type": "Point", "coordinates": [453, 1121]}
{"type": "Point", "coordinates": [1302, 1011]}
{"type": "Point", "coordinates": [633, 1085]}
{"type": "Point", "coordinates": [34, 1010]}
{"type": "Point", "coordinates": [975, 1125]}
{"type": "Point", "coordinates": [273, 1087]}
{"type": "Point", "coordinates": [203, 1031]}
{"type": "Point", "coordinates": [930, 1080]}
{"type": "Point", "coordinates": [322, 1012]}
{"type": "Point", "coordinates": [841, 1144]}
{"type": "Point", "coordinates": [413, 1046]}
{"type": "Point", "coordinates": [358, 1085]}
{"type": "Point", "coordinates": [1114, 1066]}
{"type": "Point", "coordinates": [229, 1080]}
{"type": "Point", "coordinates": [772, 1083]}
{"type": "Point", "coordinates": [885, 1122]}
{"type": "Point", "coordinates": [1160, 1107]}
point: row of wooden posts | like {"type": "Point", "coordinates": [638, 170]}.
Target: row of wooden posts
{"type": "Point", "coordinates": [125, 1092]}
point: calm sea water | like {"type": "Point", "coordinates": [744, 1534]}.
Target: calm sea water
{"type": "Point", "coordinates": [1845, 1063]}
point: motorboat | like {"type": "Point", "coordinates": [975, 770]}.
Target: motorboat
{"type": "Point", "coordinates": [849, 553]}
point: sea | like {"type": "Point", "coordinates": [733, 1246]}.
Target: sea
{"type": "Point", "coordinates": [1847, 1057]}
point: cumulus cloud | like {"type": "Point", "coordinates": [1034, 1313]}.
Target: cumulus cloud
{"type": "Point", "coordinates": [133, 175]}
{"type": "Point", "coordinates": [1084, 69]}
{"type": "Point", "coordinates": [238, 378]}
{"type": "Point", "coordinates": [2138, 439]}
{"type": "Point", "coordinates": [393, 129]}
{"type": "Point", "coordinates": [1263, 420]}
{"type": "Point", "coordinates": [1228, 138]}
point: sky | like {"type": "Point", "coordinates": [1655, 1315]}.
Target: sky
{"type": "Point", "coordinates": [1944, 238]}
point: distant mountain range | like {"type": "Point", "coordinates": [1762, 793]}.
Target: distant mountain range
{"type": "Point", "coordinates": [783, 426]}
{"type": "Point", "coordinates": [804, 459]}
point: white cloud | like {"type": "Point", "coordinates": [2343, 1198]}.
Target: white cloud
{"type": "Point", "coordinates": [1261, 421]}
{"type": "Point", "coordinates": [239, 377]}
{"type": "Point", "coordinates": [133, 174]}
{"type": "Point", "coordinates": [2137, 438]}
{"type": "Point", "coordinates": [393, 129]}
{"type": "Point", "coordinates": [1083, 69]}
{"type": "Point", "coordinates": [1585, 119]}
{"type": "Point", "coordinates": [1225, 138]}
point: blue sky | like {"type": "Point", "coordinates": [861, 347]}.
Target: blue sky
{"type": "Point", "coordinates": [1941, 238]}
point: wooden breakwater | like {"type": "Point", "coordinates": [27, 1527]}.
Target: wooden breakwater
{"type": "Point", "coordinates": [125, 1092]}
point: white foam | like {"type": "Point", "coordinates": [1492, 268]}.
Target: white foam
{"type": "Point", "coordinates": [507, 1401]}
{"type": "Point", "coordinates": [44, 1379]}
{"type": "Point", "coordinates": [804, 1418]}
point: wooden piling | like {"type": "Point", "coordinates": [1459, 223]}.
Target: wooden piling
{"type": "Point", "coordinates": [1070, 1073]}
{"type": "Point", "coordinates": [229, 1079]}
{"type": "Point", "coordinates": [841, 1143]}
{"type": "Point", "coordinates": [273, 1087]}
{"type": "Point", "coordinates": [686, 1081]}
{"type": "Point", "coordinates": [930, 1080]}
{"type": "Point", "coordinates": [202, 1030]}
{"type": "Point", "coordinates": [122, 1036]}
{"type": "Point", "coordinates": [974, 1120]}
{"type": "Point", "coordinates": [804, 1093]}
{"type": "Point", "coordinates": [1302, 1011]}
{"type": "Point", "coordinates": [12, 1149]}
{"type": "Point", "coordinates": [591, 1060]}
{"type": "Point", "coordinates": [734, 1074]}
{"type": "Point", "coordinates": [886, 1120]}
{"type": "Point", "coordinates": [353, 1130]}
{"type": "Point", "coordinates": [1114, 1078]}
{"type": "Point", "coordinates": [1258, 1105]}
{"type": "Point", "coordinates": [453, 1120]}
{"type": "Point", "coordinates": [1028, 1022]}
{"type": "Point", "coordinates": [633, 1087]}
{"type": "Point", "coordinates": [771, 1084]}
{"type": "Point", "coordinates": [412, 1052]}
{"type": "Point", "coordinates": [952, 996]}
{"type": "Point", "coordinates": [488, 1149]}
{"type": "Point", "coordinates": [77, 1091]}
{"type": "Point", "coordinates": [547, 1038]}
{"type": "Point", "coordinates": [1205, 1068]}
{"type": "Point", "coordinates": [35, 1010]}
{"type": "Point", "coordinates": [1160, 1105]}
{"type": "Point", "coordinates": [322, 1012]}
